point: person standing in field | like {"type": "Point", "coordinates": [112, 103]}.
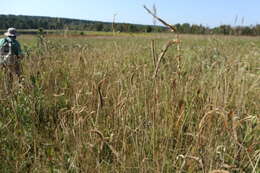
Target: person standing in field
{"type": "Point", "coordinates": [10, 56]}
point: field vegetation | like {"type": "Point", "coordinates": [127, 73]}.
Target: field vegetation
{"type": "Point", "coordinates": [93, 104]}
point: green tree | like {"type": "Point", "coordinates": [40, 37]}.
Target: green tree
{"type": "Point", "coordinates": [149, 29]}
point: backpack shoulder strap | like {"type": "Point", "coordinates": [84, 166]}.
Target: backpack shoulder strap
{"type": "Point", "coordinates": [8, 40]}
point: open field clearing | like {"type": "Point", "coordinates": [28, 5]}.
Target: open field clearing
{"type": "Point", "coordinates": [91, 104]}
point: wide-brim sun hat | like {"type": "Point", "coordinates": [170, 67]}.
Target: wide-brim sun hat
{"type": "Point", "coordinates": [11, 32]}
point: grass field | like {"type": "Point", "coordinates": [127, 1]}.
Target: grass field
{"type": "Point", "coordinates": [91, 104]}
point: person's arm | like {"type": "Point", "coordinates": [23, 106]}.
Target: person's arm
{"type": "Point", "coordinates": [20, 54]}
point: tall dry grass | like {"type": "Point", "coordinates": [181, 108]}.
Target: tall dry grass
{"type": "Point", "coordinates": [92, 105]}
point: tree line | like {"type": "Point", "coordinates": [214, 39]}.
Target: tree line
{"type": "Point", "coordinates": [52, 23]}
{"type": "Point", "coordinates": [222, 29]}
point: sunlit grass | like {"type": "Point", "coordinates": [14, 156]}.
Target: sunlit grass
{"type": "Point", "coordinates": [90, 104]}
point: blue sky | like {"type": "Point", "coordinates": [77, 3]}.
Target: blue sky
{"type": "Point", "coordinates": [205, 12]}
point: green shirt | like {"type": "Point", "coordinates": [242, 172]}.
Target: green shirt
{"type": "Point", "coordinates": [16, 48]}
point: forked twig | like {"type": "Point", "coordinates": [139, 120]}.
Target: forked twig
{"type": "Point", "coordinates": [173, 29]}
{"type": "Point", "coordinates": [167, 45]}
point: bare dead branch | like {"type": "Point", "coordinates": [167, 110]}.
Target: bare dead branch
{"type": "Point", "coordinates": [173, 29]}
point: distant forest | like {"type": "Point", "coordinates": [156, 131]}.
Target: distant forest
{"type": "Point", "coordinates": [51, 23]}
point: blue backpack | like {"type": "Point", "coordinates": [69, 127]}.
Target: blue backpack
{"type": "Point", "coordinates": [7, 56]}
